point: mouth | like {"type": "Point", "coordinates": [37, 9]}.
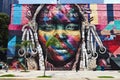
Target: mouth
{"type": "Point", "coordinates": [61, 52]}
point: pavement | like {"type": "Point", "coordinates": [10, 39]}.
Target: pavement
{"type": "Point", "coordinates": [61, 75]}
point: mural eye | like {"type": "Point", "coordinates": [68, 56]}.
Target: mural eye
{"type": "Point", "coordinates": [72, 27]}
{"type": "Point", "coordinates": [47, 27]}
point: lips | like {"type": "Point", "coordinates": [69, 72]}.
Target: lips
{"type": "Point", "coordinates": [59, 54]}
{"type": "Point", "coordinates": [61, 51]}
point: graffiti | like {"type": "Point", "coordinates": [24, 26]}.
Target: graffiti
{"type": "Point", "coordinates": [62, 22]}
{"type": "Point", "coordinates": [78, 28]}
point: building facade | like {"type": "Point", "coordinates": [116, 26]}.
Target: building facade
{"type": "Point", "coordinates": [6, 4]}
{"type": "Point", "coordinates": [61, 22]}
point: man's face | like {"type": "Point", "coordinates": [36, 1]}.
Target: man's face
{"type": "Point", "coordinates": [62, 22]}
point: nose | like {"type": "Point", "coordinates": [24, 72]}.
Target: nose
{"type": "Point", "coordinates": [60, 32]}
{"type": "Point", "coordinates": [61, 36]}
{"type": "Point", "coordinates": [60, 29]}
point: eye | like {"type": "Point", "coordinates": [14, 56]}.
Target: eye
{"type": "Point", "coordinates": [47, 27]}
{"type": "Point", "coordinates": [72, 27]}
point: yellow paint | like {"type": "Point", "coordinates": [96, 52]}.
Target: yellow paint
{"type": "Point", "coordinates": [75, 34]}
{"type": "Point", "coordinates": [94, 13]}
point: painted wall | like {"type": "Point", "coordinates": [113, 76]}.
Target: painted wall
{"type": "Point", "coordinates": [105, 16]}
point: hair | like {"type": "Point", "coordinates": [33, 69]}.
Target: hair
{"type": "Point", "coordinates": [34, 7]}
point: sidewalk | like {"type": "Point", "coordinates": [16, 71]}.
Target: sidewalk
{"type": "Point", "coordinates": [61, 75]}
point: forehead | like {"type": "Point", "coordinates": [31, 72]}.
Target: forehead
{"type": "Point", "coordinates": [60, 13]}
{"type": "Point", "coordinates": [59, 7]}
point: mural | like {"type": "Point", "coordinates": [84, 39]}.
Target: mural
{"type": "Point", "coordinates": [64, 23]}
{"type": "Point", "coordinates": [77, 34]}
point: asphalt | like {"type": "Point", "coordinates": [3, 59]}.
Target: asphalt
{"type": "Point", "coordinates": [61, 75]}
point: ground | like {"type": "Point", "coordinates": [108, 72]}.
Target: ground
{"type": "Point", "coordinates": [61, 75]}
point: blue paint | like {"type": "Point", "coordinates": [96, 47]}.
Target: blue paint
{"type": "Point", "coordinates": [11, 47]}
{"type": "Point", "coordinates": [109, 27]}
{"type": "Point", "coordinates": [17, 15]}
{"type": "Point", "coordinates": [110, 15]}
{"type": "Point", "coordinates": [117, 24]}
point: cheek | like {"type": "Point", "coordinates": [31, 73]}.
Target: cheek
{"type": "Point", "coordinates": [74, 36]}
{"type": "Point", "coordinates": [42, 39]}
{"type": "Point", "coordinates": [74, 40]}
{"type": "Point", "coordinates": [44, 36]}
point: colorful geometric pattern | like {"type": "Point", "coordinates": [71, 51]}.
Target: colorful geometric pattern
{"type": "Point", "coordinates": [103, 15]}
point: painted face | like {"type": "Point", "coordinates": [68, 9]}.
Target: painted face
{"type": "Point", "coordinates": [61, 22]}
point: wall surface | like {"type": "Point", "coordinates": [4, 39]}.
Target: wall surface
{"type": "Point", "coordinates": [105, 16]}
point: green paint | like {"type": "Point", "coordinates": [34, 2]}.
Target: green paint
{"type": "Point", "coordinates": [109, 27]}
{"type": "Point", "coordinates": [117, 24]}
